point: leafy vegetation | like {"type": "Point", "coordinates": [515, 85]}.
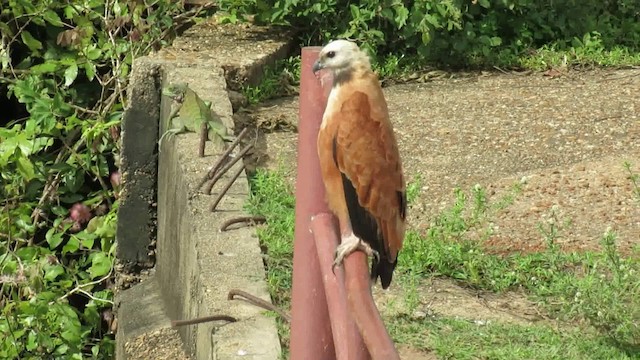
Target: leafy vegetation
{"type": "Point", "coordinates": [277, 80]}
{"type": "Point", "coordinates": [599, 287]}
{"type": "Point", "coordinates": [63, 72]}
{"type": "Point", "coordinates": [463, 33]}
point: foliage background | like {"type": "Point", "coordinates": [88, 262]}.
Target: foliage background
{"type": "Point", "coordinates": [459, 32]}
{"type": "Point", "coordinates": [63, 73]}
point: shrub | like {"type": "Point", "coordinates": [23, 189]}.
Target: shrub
{"type": "Point", "coordinates": [456, 32]}
{"type": "Point", "coordinates": [63, 71]}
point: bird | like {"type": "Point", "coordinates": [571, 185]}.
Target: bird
{"type": "Point", "coordinates": [360, 163]}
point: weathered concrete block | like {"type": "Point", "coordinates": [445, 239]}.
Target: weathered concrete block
{"type": "Point", "coordinates": [139, 166]}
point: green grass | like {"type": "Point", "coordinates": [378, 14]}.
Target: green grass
{"type": "Point", "coordinates": [549, 57]}
{"type": "Point", "coordinates": [596, 295]}
{"type": "Point", "coordinates": [461, 339]}
{"type": "Point", "coordinates": [273, 198]}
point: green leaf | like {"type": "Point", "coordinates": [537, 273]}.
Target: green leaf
{"type": "Point", "coordinates": [94, 224]}
{"type": "Point", "coordinates": [90, 70]}
{"type": "Point", "coordinates": [71, 198]}
{"type": "Point", "coordinates": [32, 342]}
{"type": "Point", "coordinates": [484, 3]}
{"type": "Point", "coordinates": [402, 14]}
{"type": "Point", "coordinates": [124, 70]}
{"type": "Point", "coordinates": [100, 265]}
{"type": "Point", "coordinates": [355, 11]}
{"type": "Point", "coordinates": [93, 52]}
{"type": "Point", "coordinates": [87, 240]}
{"type": "Point", "coordinates": [59, 211]}
{"type": "Point", "coordinates": [44, 68]}
{"type": "Point", "coordinates": [54, 239]}
{"type": "Point", "coordinates": [30, 41]}
{"type": "Point", "coordinates": [73, 180]}
{"type": "Point", "coordinates": [62, 349]}
{"type": "Point", "coordinates": [495, 41]}
{"type": "Point", "coordinates": [52, 18]}
{"type": "Point", "coordinates": [25, 168]}
{"type": "Point", "coordinates": [426, 37]}
{"type": "Point", "coordinates": [28, 253]}
{"type": "Point", "coordinates": [6, 29]}
{"type": "Point", "coordinates": [95, 350]}
{"type": "Point", "coordinates": [71, 246]}
{"type": "Point", "coordinates": [70, 74]}
{"type": "Point", "coordinates": [52, 272]}
{"type": "Point", "coordinates": [69, 12]}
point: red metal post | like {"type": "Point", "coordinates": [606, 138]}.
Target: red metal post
{"type": "Point", "coordinates": [346, 336]}
{"type": "Point", "coordinates": [363, 309]}
{"type": "Point", "coordinates": [311, 336]}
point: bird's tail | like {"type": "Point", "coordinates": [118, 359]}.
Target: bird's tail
{"type": "Point", "coordinates": [392, 233]}
{"type": "Point", "coordinates": [384, 270]}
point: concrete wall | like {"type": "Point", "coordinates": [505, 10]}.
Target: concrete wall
{"type": "Point", "coordinates": [195, 264]}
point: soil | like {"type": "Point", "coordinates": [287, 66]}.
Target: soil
{"type": "Point", "coordinates": [561, 139]}
{"type": "Point", "coordinates": [162, 344]}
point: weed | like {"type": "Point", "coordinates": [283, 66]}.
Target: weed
{"type": "Point", "coordinates": [634, 178]}
{"type": "Point", "coordinates": [277, 80]}
{"type": "Point", "coordinates": [509, 198]}
{"type": "Point", "coordinates": [479, 202]}
{"type": "Point", "coordinates": [608, 295]}
{"type": "Point", "coordinates": [551, 227]}
{"type": "Point", "coordinates": [550, 56]}
{"type": "Point", "coordinates": [413, 189]}
{"type": "Point", "coordinates": [389, 66]}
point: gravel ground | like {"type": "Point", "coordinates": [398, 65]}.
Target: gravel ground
{"type": "Point", "coordinates": [161, 344]}
{"type": "Point", "coordinates": [563, 138]}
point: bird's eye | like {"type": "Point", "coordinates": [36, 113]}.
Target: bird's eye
{"type": "Point", "coordinates": [331, 54]}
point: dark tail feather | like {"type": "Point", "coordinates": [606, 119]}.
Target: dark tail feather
{"type": "Point", "coordinates": [384, 270]}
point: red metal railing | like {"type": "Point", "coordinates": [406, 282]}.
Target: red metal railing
{"type": "Point", "coordinates": [332, 316]}
{"type": "Point", "coordinates": [311, 336]}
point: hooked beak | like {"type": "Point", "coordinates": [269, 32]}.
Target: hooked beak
{"type": "Point", "coordinates": [317, 66]}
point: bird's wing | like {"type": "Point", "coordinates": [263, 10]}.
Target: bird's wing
{"type": "Point", "coordinates": [366, 153]}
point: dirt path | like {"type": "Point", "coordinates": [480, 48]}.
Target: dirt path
{"type": "Point", "coordinates": [562, 140]}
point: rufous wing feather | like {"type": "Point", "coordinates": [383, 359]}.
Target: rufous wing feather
{"type": "Point", "coordinates": [366, 153]}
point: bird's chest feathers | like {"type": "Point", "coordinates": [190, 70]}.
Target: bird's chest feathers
{"type": "Point", "coordinates": [334, 103]}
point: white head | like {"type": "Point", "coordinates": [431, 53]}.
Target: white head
{"type": "Point", "coordinates": [340, 56]}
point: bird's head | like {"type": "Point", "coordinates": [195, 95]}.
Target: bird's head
{"type": "Point", "coordinates": [339, 56]}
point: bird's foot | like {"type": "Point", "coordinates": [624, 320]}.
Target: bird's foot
{"type": "Point", "coordinates": [349, 244]}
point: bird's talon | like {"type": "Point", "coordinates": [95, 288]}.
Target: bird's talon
{"type": "Point", "coordinates": [376, 255]}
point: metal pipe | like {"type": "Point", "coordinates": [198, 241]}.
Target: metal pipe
{"type": "Point", "coordinates": [364, 310]}
{"type": "Point", "coordinates": [311, 336]}
{"type": "Point", "coordinates": [346, 336]}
